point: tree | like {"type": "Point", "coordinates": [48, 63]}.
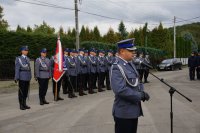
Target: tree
{"type": "Point", "coordinates": [20, 29]}
{"type": "Point", "coordinates": [29, 29]}
{"type": "Point", "coordinates": [82, 33]}
{"type": "Point", "coordinates": [3, 23]}
{"type": "Point", "coordinates": [69, 32]}
{"type": "Point", "coordinates": [110, 37]}
{"type": "Point", "coordinates": [61, 31]}
{"type": "Point", "coordinates": [97, 36]}
{"type": "Point", "coordinates": [122, 30]}
{"type": "Point", "coordinates": [44, 28]}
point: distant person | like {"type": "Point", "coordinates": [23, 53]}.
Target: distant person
{"type": "Point", "coordinates": [23, 77]}
{"type": "Point", "coordinates": [192, 64]}
{"type": "Point", "coordinates": [43, 74]}
{"type": "Point", "coordinates": [129, 92]}
{"type": "Point", "coordinates": [198, 66]}
{"type": "Point", "coordinates": [146, 69]}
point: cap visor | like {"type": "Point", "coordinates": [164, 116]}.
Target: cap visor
{"type": "Point", "coordinates": [131, 49]}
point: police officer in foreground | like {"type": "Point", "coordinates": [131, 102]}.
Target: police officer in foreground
{"type": "Point", "coordinates": [192, 64]}
{"type": "Point", "coordinates": [43, 74]}
{"type": "Point", "coordinates": [23, 76]}
{"type": "Point", "coordinates": [128, 90]}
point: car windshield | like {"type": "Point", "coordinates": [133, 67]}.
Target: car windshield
{"type": "Point", "coordinates": [167, 61]}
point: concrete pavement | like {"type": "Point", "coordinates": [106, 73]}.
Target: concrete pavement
{"type": "Point", "coordinates": [92, 113]}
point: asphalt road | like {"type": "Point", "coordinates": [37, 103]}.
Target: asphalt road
{"type": "Point", "coordinates": [92, 113]}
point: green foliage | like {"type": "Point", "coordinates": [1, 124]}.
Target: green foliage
{"type": "Point", "coordinates": [44, 28]}
{"type": "Point", "coordinates": [11, 42]}
{"type": "Point", "coordinates": [122, 30]}
{"type": "Point", "coordinates": [3, 23]}
{"type": "Point", "coordinates": [97, 45]}
{"type": "Point", "coordinates": [111, 36]}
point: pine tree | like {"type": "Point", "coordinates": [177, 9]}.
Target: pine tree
{"type": "Point", "coordinates": [3, 23]}
{"type": "Point", "coordinates": [122, 30]}
{"type": "Point", "coordinates": [61, 31]}
{"type": "Point", "coordinates": [29, 29]}
{"type": "Point", "coordinates": [20, 29]}
{"type": "Point", "coordinates": [82, 33]}
{"type": "Point", "coordinates": [97, 36]}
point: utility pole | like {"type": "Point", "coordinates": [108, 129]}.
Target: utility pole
{"type": "Point", "coordinates": [76, 23]}
{"type": "Point", "coordinates": [174, 37]}
{"type": "Point", "coordinates": [146, 32]}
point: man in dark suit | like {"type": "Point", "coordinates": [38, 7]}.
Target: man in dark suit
{"type": "Point", "coordinates": [192, 64]}
{"type": "Point", "coordinates": [129, 92]}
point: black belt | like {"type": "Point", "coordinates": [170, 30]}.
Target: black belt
{"type": "Point", "coordinates": [25, 70]}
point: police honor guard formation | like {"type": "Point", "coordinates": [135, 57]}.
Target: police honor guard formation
{"type": "Point", "coordinates": [128, 90]}
{"type": "Point", "coordinates": [43, 74]}
{"type": "Point", "coordinates": [23, 76]}
{"type": "Point", "coordinates": [82, 71]}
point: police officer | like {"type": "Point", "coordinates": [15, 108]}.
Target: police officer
{"type": "Point", "coordinates": [139, 66]}
{"type": "Point", "coordinates": [128, 90]}
{"type": "Point", "coordinates": [52, 60]}
{"type": "Point", "coordinates": [198, 66]}
{"type": "Point", "coordinates": [43, 74]}
{"type": "Point", "coordinates": [23, 76]}
{"type": "Point", "coordinates": [109, 61]}
{"type": "Point", "coordinates": [146, 69]}
{"type": "Point", "coordinates": [192, 64]}
{"type": "Point", "coordinates": [65, 80]}
{"type": "Point", "coordinates": [92, 67]}
{"type": "Point", "coordinates": [82, 67]}
{"type": "Point", "coordinates": [73, 73]}
{"type": "Point", "coordinates": [101, 69]}
{"type": "Point", "coordinates": [86, 84]}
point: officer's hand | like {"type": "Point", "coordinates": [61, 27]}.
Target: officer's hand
{"type": "Point", "coordinates": [16, 81]}
{"type": "Point", "coordinates": [145, 96]}
{"type": "Point", "coordinates": [36, 79]}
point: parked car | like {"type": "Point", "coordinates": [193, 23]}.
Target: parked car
{"type": "Point", "coordinates": [170, 64]}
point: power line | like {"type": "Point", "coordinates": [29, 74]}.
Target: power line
{"type": "Point", "coordinates": [40, 3]}
{"type": "Point", "coordinates": [183, 20]}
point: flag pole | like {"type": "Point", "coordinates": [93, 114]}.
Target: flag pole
{"type": "Point", "coordinates": [56, 92]}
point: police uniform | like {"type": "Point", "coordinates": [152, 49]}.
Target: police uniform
{"type": "Point", "coordinates": [192, 63]}
{"type": "Point", "coordinates": [86, 84]}
{"type": "Point", "coordinates": [65, 80]}
{"type": "Point", "coordinates": [92, 67]}
{"type": "Point", "coordinates": [128, 91]}
{"type": "Point", "coordinates": [109, 61]}
{"type": "Point", "coordinates": [82, 71]}
{"type": "Point", "coordinates": [73, 73]}
{"type": "Point", "coordinates": [23, 76]}
{"type": "Point", "coordinates": [43, 74]}
{"type": "Point", "coordinates": [139, 66]}
{"type": "Point", "coordinates": [52, 60]}
{"type": "Point", "coordinates": [146, 69]}
{"type": "Point", "coordinates": [101, 69]}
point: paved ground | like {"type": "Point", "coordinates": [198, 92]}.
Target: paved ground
{"type": "Point", "coordinates": [92, 113]}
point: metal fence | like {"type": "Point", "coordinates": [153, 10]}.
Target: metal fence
{"type": "Point", "coordinates": [7, 69]}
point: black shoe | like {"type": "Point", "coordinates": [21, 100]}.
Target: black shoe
{"type": "Point", "coordinates": [84, 93]}
{"type": "Point", "coordinates": [26, 107]}
{"type": "Point", "coordinates": [22, 107]}
{"type": "Point", "coordinates": [100, 90]}
{"type": "Point", "coordinates": [59, 98]}
{"type": "Point", "coordinates": [108, 88]}
{"type": "Point", "coordinates": [73, 95]}
{"type": "Point", "coordinates": [45, 102]}
{"type": "Point", "coordinates": [41, 103]}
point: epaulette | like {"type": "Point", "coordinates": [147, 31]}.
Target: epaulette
{"type": "Point", "coordinates": [116, 62]}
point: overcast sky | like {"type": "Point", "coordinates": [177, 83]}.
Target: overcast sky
{"type": "Point", "coordinates": [134, 13]}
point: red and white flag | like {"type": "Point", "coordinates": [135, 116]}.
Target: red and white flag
{"type": "Point", "coordinates": [58, 62]}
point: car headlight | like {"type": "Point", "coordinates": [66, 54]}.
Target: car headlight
{"type": "Point", "coordinates": [168, 65]}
